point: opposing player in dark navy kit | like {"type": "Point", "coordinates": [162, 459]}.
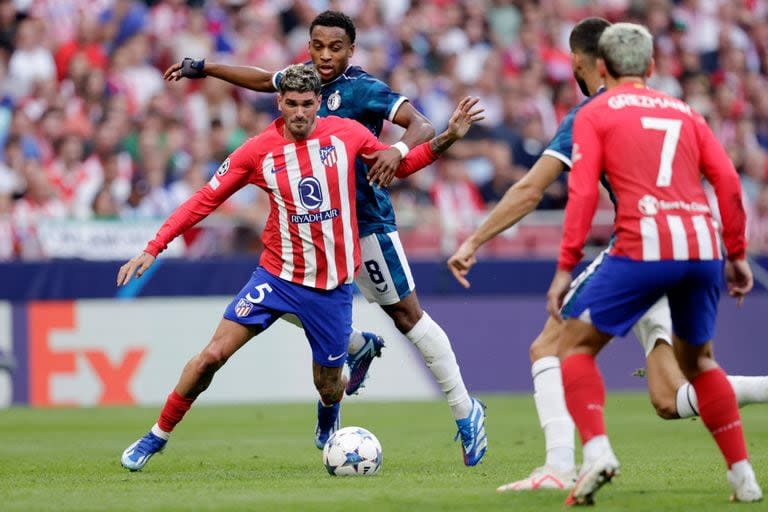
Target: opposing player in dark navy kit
{"type": "Point", "coordinates": [385, 278]}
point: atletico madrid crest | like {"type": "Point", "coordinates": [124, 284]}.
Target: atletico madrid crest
{"type": "Point", "coordinates": [243, 308]}
{"type": "Point", "coordinates": [328, 155]}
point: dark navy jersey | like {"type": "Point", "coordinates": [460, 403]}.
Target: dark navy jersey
{"type": "Point", "coordinates": [561, 145]}
{"type": "Point", "coordinates": [357, 95]}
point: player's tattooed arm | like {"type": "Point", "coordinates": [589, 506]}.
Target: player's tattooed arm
{"type": "Point", "coordinates": [418, 129]}
{"type": "Point", "coordinates": [466, 114]}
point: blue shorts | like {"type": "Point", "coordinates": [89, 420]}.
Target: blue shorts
{"type": "Point", "coordinates": [325, 314]}
{"type": "Point", "coordinates": [621, 290]}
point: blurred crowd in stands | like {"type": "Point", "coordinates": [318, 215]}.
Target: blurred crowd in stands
{"type": "Point", "coordinates": [90, 130]}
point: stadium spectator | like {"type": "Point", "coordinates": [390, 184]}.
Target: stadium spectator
{"type": "Point", "coordinates": [81, 63]}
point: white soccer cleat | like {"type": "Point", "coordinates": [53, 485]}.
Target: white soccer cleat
{"type": "Point", "coordinates": [543, 478]}
{"type": "Point", "coordinates": [591, 478]}
{"type": "Point", "coordinates": [745, 486]}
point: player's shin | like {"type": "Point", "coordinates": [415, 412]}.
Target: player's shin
{"type": "Point", "coordinates": [435, 347]}
{"type": "Point", "coordinates": [585, 398]}
{"type": "Point", "coordinates": [720, 413]}
{"type": "Point", "coordinates": [748, 390]}
{"type": "Point", "coordinates": [553, 413]}
{"type": "Point", "coordinates": [176, 406]}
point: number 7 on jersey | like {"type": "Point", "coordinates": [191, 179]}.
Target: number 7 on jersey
{"type": "Point", "coordinates": [671, 129]}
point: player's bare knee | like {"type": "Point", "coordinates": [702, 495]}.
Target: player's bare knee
{"type": "Point", "coordinates": [406, 317]}
{"type": "Point", "coordinates": [546, 343]}
{"type": "Point", "coordinates": [406, 313]}
{"type": "Point", "coordinates": [211, 358]}
{"type": "Point", "coordinates": [665, 406]}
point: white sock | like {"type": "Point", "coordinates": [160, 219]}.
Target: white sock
{"type": "Point", "coordinates": [162, 434]}
{"type": "Point", "coordinates": [748, 390]}
{"type": "Point", "coordinates": [435, 347]}
{"type": "Point", "coordinates": [595, 447]}
{"type": "Point", "coordinates": [686, 401]}
{"type": "Point", "coordinates": [742, 470]}
{"type": "Point", "coordinates": [356, 341]}
{"type": "Point", "coordinates": [553, 413]}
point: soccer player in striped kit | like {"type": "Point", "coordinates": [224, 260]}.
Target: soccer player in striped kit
{"type": "Point", "coordinates": [666, 243]}
{"type": "Point", "coordinates": [671, 395]}
{"type": "Point", "coordinates": [350, 92]}
{"type": "Point", "coordinates": [305, 164]}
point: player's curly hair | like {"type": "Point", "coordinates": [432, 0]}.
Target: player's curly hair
{"type": "Point", "coordinates": [300, 78]}
{"type": "Point", "coordinates": [335, 19]}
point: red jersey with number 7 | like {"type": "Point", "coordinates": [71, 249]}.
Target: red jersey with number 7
{"type": "Point", "coordinates": [310, 237]}
{"type": "Point", "coordinates": [653, 149]}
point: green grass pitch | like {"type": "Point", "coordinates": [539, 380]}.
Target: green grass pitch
{"type": "Point", "coordinates": [262, 457]}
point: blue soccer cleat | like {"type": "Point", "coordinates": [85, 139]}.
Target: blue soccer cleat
{"type": "Point", "coordinates": [360, 362]}
{"type": "Point", "coordinates": [138, 454]}
{"type": "Point", "coordinates": [328, 421]}
{"type": "Point", "coordinates": [474, 442]}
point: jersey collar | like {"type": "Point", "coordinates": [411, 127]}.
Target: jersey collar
{"type": "Point", "coordinates": [343, 73]}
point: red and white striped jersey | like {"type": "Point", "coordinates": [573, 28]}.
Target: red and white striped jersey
{"type": "Point", "coordinates": [653, 149]}
{"type": "Point", "coordinates": [311, 235]}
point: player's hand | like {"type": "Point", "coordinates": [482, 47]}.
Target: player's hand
{"type": "Point", "coordinates": [384, 167]}
{"type": "Point", "coordinates": [462, 261]}
{"type": "Point", "coordinates": [738, 277]}
{"type": "Point", "coordinates": [187, 68]}
{"type": "Point", "coordinates": [466, 114]}
{"type": "Point", "coordinates": [137, 265]}
{"type": "Point", "coordinates": [557, 290]}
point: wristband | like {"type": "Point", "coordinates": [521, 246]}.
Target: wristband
{"type": "Point", "coordinates": [193, 68]}
{"type": "Point", "coordinates": [402, 147]}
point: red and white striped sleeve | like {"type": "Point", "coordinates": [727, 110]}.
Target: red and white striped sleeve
{"type": "Point", "coordinates": [719, 171]}
{"type": "Point", "coordinates": [583, 191]}
{"type": "Point", "coordinates": [232, 175]}
{"type": "Point", "coordinates": [416, 159]}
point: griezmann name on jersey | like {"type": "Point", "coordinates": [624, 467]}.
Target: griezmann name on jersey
{"type": "Point", "coordinates": [653, 149]}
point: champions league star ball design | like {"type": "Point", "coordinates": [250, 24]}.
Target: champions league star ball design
{"type": "Point", "coordinates": [352, 451]}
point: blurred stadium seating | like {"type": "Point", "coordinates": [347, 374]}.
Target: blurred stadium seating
{"type": "Point", "coordinates": [93, 142]}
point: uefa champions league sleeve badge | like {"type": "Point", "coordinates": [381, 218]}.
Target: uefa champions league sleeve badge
{"type": "Point", "coordinates": [334, 101]}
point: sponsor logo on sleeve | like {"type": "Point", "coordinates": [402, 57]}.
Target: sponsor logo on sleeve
{"type": "Point", "coordinates": [223, 168]}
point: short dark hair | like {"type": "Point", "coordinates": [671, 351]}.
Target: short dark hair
{"type": "Point", "coordinates": [336, 19]}
{"type": "Point", "coordinates": [586, 34]}
{"type": "Point", "coordinates": [300, 78]}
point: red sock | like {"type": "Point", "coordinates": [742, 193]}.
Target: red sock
{"type": "Point", "coordinates": [584, 395]}
{"type": "Point", "coordinates": [173, 411]}
{"type": "Point", "coordinates": [720, 413]}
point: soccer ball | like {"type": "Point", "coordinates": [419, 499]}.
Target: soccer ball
{"type": "Point", "coordinates": [352, 451]}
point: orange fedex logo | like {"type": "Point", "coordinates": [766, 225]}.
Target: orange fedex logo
{"type": "Point", "coordinates": [46, 364]}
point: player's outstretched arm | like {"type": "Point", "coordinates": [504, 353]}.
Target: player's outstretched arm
{"type": "Point", "coordinates": [250, 77]}
{"type": "Point", "coordinates": [136, 265]}
{"type": "Point", "coordinates": [418, 129]}
{"type": "Point", "coordinates": [466, 114]}
{"type": "Point", "coordinates": [519, 200]}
